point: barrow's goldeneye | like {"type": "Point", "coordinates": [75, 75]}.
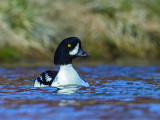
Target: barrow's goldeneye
{"type": "Point", "coordinates": [68, 49]}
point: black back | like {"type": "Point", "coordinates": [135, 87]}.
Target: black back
{"type": "Point", "coordinates": [51, 74]}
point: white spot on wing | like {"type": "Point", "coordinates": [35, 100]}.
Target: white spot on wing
{"type": "Point", "coordinates": [75, 50]}
{"type": "Point", "coordinates": [40, 77]}
{"type": "Point", "coordinates": [48, 78]}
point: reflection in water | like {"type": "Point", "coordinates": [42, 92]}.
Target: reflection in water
{"type": "Point", "coordinates": [67, 89]}
{"type": "Point", "coordinates": [113, 92]}
{"type": "Point", "coordinates": [68, 103]}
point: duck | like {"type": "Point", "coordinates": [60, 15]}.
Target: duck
{"type": "Point", "coordinates": [69, 49]}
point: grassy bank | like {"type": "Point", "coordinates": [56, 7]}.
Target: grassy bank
{"type": "Point", "coordinates": [109, 29]}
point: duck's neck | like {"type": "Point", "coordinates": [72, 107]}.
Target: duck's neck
{"type": "Point", "coordinates": [66, 67]}
{"type": "Point", "coordinates": [68, 70]}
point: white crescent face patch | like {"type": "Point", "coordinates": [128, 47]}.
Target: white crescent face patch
{"type": "Point", "coordinates": [75, 50]}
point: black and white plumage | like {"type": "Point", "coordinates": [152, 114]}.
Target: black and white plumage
{"type": "Point", "coordinates": [68, 49]}
{"type": "Point", "coordinates": [45, 79]}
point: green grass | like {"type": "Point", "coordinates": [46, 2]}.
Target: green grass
{"type": "Point", "coordinates": [9, 55]}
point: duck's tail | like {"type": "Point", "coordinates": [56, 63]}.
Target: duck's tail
{"type": "Point", "coordinates": [33, 80]}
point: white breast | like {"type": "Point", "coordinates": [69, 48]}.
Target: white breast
{"type": "Point", "coordinates": [68, 76]}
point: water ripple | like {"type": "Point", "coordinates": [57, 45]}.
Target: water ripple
{"type": "Point", "coordinates": [117, 92]}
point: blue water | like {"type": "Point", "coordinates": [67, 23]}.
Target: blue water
{"type": "Point", "coordinates": [115, 92]}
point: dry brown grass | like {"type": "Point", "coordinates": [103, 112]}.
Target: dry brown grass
{"type": "Point", "coordinates": [109, 29]}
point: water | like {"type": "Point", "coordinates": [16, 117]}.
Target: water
{"type": "Point", "coordinates": [115, 92]}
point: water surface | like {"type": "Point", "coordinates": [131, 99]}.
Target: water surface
{"type": "Point", "coordinates": [115, 92]}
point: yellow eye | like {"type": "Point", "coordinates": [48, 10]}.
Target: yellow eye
{"type": "Point", "coordinates": [69, 45]}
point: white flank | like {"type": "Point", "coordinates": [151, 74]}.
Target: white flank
{"type": "Point", "coordinates": [68, 76]}
{"type": "Point", "coordinates": [37, 84]}
{"type": "Point", "coordinates": [75, 50]}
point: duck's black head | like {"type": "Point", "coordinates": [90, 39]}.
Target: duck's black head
{"type": "Point", "coordinates": [68, 49]}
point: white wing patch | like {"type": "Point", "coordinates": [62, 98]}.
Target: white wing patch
{"type": "Point", "coordinates": [48, 78]}
{"type": "Point", "coordinates": [40, 77]}
{"type": "Point", "coordinates": [75, 50]}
